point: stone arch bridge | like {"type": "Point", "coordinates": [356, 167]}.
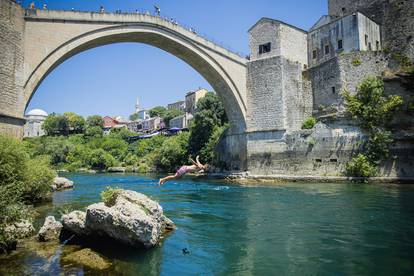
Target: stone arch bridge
{"type": "Point", "coordinates": [37, 41]}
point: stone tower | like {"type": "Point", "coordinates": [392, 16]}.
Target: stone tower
{"type": "Point", "coordinates": [137, 108]}
{"type": "Point", "coordinates": [277, 98]}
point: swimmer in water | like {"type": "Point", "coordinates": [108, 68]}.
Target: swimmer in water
{"type": "Point", "coordinates": [196, 167]}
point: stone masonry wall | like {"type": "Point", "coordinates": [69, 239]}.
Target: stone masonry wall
{"type": "Point", "coordinates": [396, 18]}
{"type": "Point", "coordinates": [265, 31]}
{"type": "Point", "coordinates": [277, 95]}
{"type": "Point", "coordinates": [265, 100]}
{"type": "Point", "coordinates": [346, 71]}
{"type": "Point", "coordinates": [11, 67]}
{"type": "Point", "coordinates": [297, 95]}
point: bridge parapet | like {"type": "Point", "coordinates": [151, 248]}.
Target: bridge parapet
{"type": "Point", "coordinates": [131, 18]}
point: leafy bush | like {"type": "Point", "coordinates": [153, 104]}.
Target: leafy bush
{"type": "Point", "coordinates": [209, 115]}
{"type": "Point", "coordinates": [173, 152]}
{"type": "Point", "coordinates": [377, 146]}
{"type": "Point", "coordinates": [94, 120]}
{"type": "Point", "coordinates": [109, 196]}
{"type": "Point", "coordinates": [208, 153]}
{"type": "Point", "coordinates": [360, 166]}
{"type": "Point", "coordinates": [356, 62]}
{"type": "Point", "coordinates": [93, 132]}
{"type": "Point", "coordinates": [101, 160]}
{"type": "Point", "coordinates": [309, 123]}
{"type": "Point", "coordinates": [370, 106]}
{"type": "Point", "coordinates": [56, 124]}
{"type": "Point", "coordinates": [131, 159]}
{"type": "Point", "coordinates": [21, 181]}
{"type": "Point", "coordinates": [373, 110]}
{"type": "Point", "coordinates": [38, 179]}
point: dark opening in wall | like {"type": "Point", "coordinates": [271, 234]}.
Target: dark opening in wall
{"type": "Point", "coordinates": [318, 160]}
{"type": "Point", "coordinates": [326, 49]}
{"type": "Point", "coordinates": [314, 54]}
{"type": "Point", "coordinates": [343, 10]}
{"type": "Point", "coordinates": [333, 160]}
{"type": "Point", "coordinates": [340, 46]}
{"type": "Point", "coordinates": [366, 40]}
{"type": "Point", "coordinates": [369, 46]}
{"type": "Point", "coordinates": [377, 45]}
{"type": "Point", "coordinates": [264, 48]}
{"type": "Point", "coordinates": [333, 89]}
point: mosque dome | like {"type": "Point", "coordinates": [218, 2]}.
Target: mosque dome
{"type": "Point", "coordinates": [37, 112]}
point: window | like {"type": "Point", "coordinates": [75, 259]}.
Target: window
{"type": "Point", "coordinates": [333, 89]}
{"type": "Point", "coordinates": [264, 48]}
{"type": "Point", "coordinates": [343, 10]}
{"type": "Point", "coordinates": [369, 46]}
{"type": "Point", "coordinates": [366, 40]}
{"type": "Point", "coordinates": [340, 46]}
{"type": "Point", "coordinates": [326, 49]}
{"type": "Point", "coordinates": [377, 46]}
{"type": "Point", "coordinates": [314, 54]}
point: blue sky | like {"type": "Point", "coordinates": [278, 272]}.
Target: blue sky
{"type": "Point", "coordinates": [108, 79]}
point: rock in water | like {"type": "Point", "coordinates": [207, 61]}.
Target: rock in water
{"type": "Point", "coordinates": [134, 219]}
{"type": "Point", "coordinates": [19, 230]}
{"type": "Point", "coordinates": [50, 230]}
{"type": "Point", "coordinates": [60, 183]}
{"type": "Point", "coordinates": [117, 169]}
{"type": "Point", "coordinates": [75, 222]}
{"type": "Point", "coordinates": [87, 257]}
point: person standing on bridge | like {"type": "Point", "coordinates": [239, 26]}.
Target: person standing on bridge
{"type": "Point", "coordinates": [196, 167]}
{"type": "Point", "coordinates": [157, 10]}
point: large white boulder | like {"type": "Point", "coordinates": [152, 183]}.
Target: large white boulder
{"type": "Point", "coordinates": [61, 183]}
{"type": "Point", "coordinates": [19, 230]}
{"type": "Point", "coordinates": [132, 218]}
{"type": "Point", "coordinates": [75, 222]}
{"type": "Point", "coordinates": [50, 230]}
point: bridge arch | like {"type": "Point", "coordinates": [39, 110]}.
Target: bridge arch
{"type": "Point", "coordinates": [226, 74]}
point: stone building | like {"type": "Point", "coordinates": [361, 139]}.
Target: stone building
{"type": "Point", "coordinates": [109, 122]}
{"type": "Point", "coordinates": [394, 16]}
{"type": "Point", "coordinates": [278, 55]}
{"type": "Point", "coordinates": [34, 120]}
{"type": "Point", "coordinates": [181, 121]}
{"type": "Point", "coordinates": [152, 124]}
{"type": "Point", "coordinates": [180, 105]}
{"type": "Point", "coordinates": [134, 126]}
{"type": "Point", "coordinates": [332, 36]}
{"type": "Point", "coordinates": [143, 114]}
{"type": "Point", "coordinates": [191, 99]}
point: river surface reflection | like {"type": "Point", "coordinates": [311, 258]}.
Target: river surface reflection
{"type": "Point", "coordinates": [287, 229]}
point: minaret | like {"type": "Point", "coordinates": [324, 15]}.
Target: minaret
{"type": "Point", "coordinates": [137, 106]}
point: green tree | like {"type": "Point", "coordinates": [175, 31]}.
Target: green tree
{"type": "Point", "coordinates": [157, 111]}
{"type": "Point", "coordinates": [209, 115]}
{"type": "Point", "coordinates": [173, 152]}
{"type": "Point", "coordinates": [100, 159]}
{"type": "Point", "coordinates": [93, 132]}
{"type": "Point", "coordinates": [373, 110]}
{"type": "Point", "coordinates": [144, 147]}
{"type": "Point", "coordinates": [56, 124]}
{"type": "Point", "coordinates": [76, 122]}
{"type": "Point", "coordinates": [208, 152]}
{"type": "Point", "coordinates": [171, 113]}
{"type": "Point", "coordinates": [309, 123]}
{"type": "Point", "coordinates": [133, 117]}
{"type": "Point", "coordinates": [370, 105]}
{"type": "Point", "coordinates": [116, 147]}
{"type": "Point", "coordinates": [21, 181]}
{"type": "Point", "coordinates": [94, 120]}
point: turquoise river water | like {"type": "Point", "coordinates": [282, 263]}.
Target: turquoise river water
{"type": "Point", "coordinates": [230, 229]}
